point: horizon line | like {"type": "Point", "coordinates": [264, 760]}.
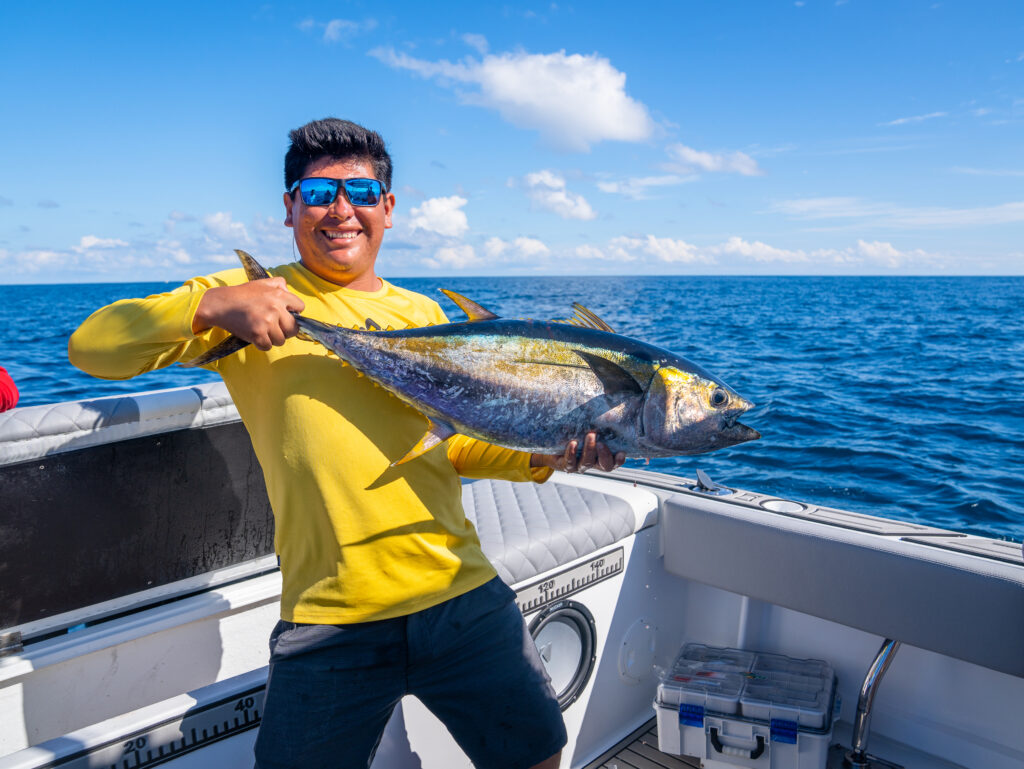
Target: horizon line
{"type": "Point", "coordinates": [574, 277]}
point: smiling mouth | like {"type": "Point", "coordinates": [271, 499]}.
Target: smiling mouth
{"type": "Point", "coordinates": [347, 235]}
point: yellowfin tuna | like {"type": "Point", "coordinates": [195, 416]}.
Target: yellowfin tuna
{"type": "Point", "coordinates": [536, 385]}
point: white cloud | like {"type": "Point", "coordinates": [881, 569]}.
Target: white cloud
{"type": "Point", "coordinates": [877, 250]}
{"type": "Point", "coordinates": [889, 255]}
{"type": "Point", "coordinates": [624, 249]}
{"type": "Point", "coordinates": [522, 247]}
{"type": "Point", "coordinates": [443, 216]}
{"type": "Point", "coordinates": [476, 42]}
{"type": "Point", "coordinates": [172, 249]}
{"type": "Point", "coordinates": [530, 247]}
{"type": "Point", "coordinates": [915, 119]}
{"type": "Point", "coordinates": [686, 159]}
{"type": "Point", "coordinates": [40, 258]}
{"type": "Point", "coordinates": [910, 217]}
{"type": "Point", "coordinates": [988, 171]}
{"type": "Point", "coordinates": [91, 241]}
{"type": "Point", "coordinates": [638, 188]}
{"type": "Point", "coordinates": [739, 253]}
{"type": "Point", "coordinates": [174, 219]}
{"type": "Point", "coordinates": [458, 256]}
{"type": "Point", "coordinates": [220, 226]}
{"type": "Point", "coordinates": [336, 29]}
{"type": "Point", "coordinates": [548, 190]}
{"type": "Point", "coordinates": [271, 234]}
{"type": "Point", "coordinates": [574, 101]}
{"type": "Point", "coordinates": [670, 250]}
{"type": "Point", "coordinates": [828, 208]}
{"type": "Point", "coordinates": [758, 251]}
{"type": "Point", "coordinates": [495, 247]}
{"type": "Point", "coordinates": [587, 251]}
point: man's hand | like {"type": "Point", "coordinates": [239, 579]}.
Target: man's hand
{"type": "Point", "coordinates": [594, 454]}
{"type": "Point", "coordinates": [259, 312]}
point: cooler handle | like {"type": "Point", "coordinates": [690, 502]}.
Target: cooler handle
{"type": "Point", "coordinates": [738, 752]}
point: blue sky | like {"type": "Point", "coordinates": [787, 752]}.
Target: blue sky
{"type": "Point", "coordinates": [145, 141]}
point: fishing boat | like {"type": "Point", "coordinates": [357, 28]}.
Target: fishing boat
{"type": "Point", "coordinates": [138, 587]}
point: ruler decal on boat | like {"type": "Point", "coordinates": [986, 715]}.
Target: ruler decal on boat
{"type": "Point", "coordinates": [536, 596]}
{"type": "Point", "coordinates": [171, 739]}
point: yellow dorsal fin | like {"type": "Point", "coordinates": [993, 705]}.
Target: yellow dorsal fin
{"type": "Point", "coordinates": [585, 318]}
{"type": "Point", "coordinates": [468, 306]}
{"type": "Point", "coordinates": [437, 432]}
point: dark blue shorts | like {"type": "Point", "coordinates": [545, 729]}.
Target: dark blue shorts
{"type": "Point", "coordinates": [470, 660]}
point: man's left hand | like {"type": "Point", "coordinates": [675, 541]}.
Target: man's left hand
{"type": "Point", "coordinates": [594, 454]}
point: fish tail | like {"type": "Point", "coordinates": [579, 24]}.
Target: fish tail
{"type": "Point", "coordinates": [253, 271]}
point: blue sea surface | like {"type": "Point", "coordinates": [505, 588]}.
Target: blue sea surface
{"type": "Point", "coordinates": [899, 397]}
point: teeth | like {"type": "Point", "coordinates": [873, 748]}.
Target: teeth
{"type": "Point", "coordinates": [341, 235]}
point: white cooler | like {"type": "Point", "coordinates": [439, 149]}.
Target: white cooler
{"type": "Point", "coordinates": [730, 708]}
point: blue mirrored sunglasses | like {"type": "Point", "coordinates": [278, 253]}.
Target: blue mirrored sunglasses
{"type": "Point", "coordinates": [319, 191]}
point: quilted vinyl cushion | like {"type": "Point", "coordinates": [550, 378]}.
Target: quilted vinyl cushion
{"type": "Point", "coordinates": [527, 528]}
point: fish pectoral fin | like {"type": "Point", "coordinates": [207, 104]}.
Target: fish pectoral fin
{"type": "Point", "coordinates": [437, 432]}
{"type": "Point", "coordinates": [253, 269]}
{"type": "Point", "coordinates": [472, 309]}
{"type": "Point", "coordinates": [587, 319]}
{"type": "Point", "coordinates": [614, 378]}
{"type": "Point", "coordinates": [220, 350]}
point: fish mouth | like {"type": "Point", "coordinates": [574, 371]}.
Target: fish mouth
{"type": "Point", "coordinates": [738, 431]}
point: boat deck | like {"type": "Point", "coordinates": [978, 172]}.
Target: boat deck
{"type": "Point", "coordinates": [640, 751]}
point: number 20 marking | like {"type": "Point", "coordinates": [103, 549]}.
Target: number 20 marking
{"type": "Point", "coordinates": [133, 745]}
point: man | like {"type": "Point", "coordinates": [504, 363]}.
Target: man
{"type": "Point", "coordinates": [385, 589]}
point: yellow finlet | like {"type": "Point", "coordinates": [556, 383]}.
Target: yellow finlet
{"type": "Point", "coordinates": [437, 433]}
{"type": "Point", "coordinates": [585, 318]}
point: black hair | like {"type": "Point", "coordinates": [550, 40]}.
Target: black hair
{"type": "Point", "coordinates": [334, 138]}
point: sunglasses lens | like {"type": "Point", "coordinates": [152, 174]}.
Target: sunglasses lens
{"type": "Point", "coordinates": [322, 192]}
{"type": "Point", "coordinates": [318, 192]}
{"type": "Point", "coordinates": [363, 192]}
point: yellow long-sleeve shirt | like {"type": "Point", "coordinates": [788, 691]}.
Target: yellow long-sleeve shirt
{"type": "Point", "coordinates": [358, 540]}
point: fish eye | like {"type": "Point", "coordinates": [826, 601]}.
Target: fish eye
{"type": "Point", "coordinates": [719, 397]}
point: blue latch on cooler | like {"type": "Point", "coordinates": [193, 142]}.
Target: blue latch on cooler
{"type": "Point", "coordinates": [784, 731]}
{"type": "Point", "coordinates": [691, 715]}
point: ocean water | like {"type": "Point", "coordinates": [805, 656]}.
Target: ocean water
{"type": "Point", "coordinates": [900, 397]}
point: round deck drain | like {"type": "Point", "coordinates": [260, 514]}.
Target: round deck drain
{"type": "Point", "coordinates": [566, 638]}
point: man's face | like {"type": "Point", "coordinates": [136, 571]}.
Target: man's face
{"type": "Point", "coordinates": [339, 242]}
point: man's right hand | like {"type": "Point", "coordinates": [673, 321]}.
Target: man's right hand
{"type": "Point", "coordinates": [259, 311]}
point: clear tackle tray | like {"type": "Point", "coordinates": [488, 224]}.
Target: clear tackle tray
{"type": "Point", "coordinates": [730, 707]}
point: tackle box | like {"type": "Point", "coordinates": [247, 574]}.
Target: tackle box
{"type": "Point", "coordinates": [730, 707]}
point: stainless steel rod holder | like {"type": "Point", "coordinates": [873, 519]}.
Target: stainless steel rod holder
{"type": "Point", "coordinates": [858, 756]}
